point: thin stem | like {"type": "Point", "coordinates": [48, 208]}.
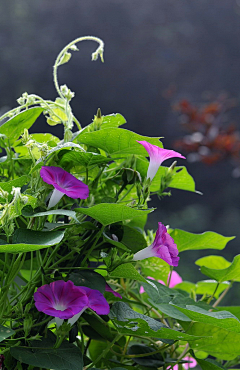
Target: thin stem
{"type": "Point", "coordinates": [215, 290]}
{"type": "Point", "coordinates": [94, 245]}
{"type": "Point", "coordinates": [65, 49]}
{"type": "Point", "coordinates": [127, 192]}
{"type": "Point", "coordinates": [102, 355]}
{"type": "Point", "coordinates": [222, 295]}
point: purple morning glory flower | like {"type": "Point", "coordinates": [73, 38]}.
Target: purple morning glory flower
{"type": "Point", "coordinates": [157, 156]}
{"type": "Point", "coordinates": [64, 183]}
{"type": "Point", "coordinates": [60, 299]}
{"type": "Point", "coordinates": [110, 290]}
{"type": "Point", "coordinates": [64, 300]}
{"type": "Point", "coordinates": [162, 247]}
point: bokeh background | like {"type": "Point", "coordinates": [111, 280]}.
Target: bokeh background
{"type": "Point", "coordinates": [156, 54]}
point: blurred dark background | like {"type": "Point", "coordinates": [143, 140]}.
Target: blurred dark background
{"type": "Point", "coordinates": [156, 53]}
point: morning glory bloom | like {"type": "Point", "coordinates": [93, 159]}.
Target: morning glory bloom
{"type": "Point", "coordinates": [157, 156]}
{"type": "Point", "coordinates": [175, 279]}
{"type": "Point", "coordinates": [64, 300]}
{"type": "Point", "coordinates": [60, 299]}
{"type": "Point", "coordinates": [163, 247]}
{"type": "Point", "coordinates": [64, 183]}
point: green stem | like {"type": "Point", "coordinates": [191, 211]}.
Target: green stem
{"type": "Point", "coordinates": [215, 290]}
{"type": "Point", "coordinates": [102, 355]}
{"type": "Point", "coordinates": [127, 192]}
{"type": "Point", "coordinates": [222, 295]}
{"type": "Point", "coordinates": [65, 49]}
{"type": "Point", "coordinates": [94, 245]}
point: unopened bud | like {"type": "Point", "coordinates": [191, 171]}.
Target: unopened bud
{"type": "Point", "coordinates": [98, 119]}
{"type": "Point", "coordinates": [172, 167]}
{"type": "Point", "coordinates": [67, 135]}
{"type": "Point", "coordinates": [27, 324]}
{"type": "Point", "coordinates": [67, 93]}
{"type": "Point", "coordinates": [25, 136]}
{"type": "Point", "coordinates": [98, 52]}
{"type": "Point", "coordinates": [65, 58]}
{"type": "Point", "coordinates": [73, 47]}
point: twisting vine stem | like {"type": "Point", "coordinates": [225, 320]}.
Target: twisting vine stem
{"type": "Point", "coordinates": [98, 52]}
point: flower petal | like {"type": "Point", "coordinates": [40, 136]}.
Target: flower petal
{"type": "Point", "coordinates": [163, 247]}
{"type": "Point", "coordinates": [60, 299]}
{"type": "Point", "coordinates": [96, 301]}
{"type": "Point", "coordinates": [64, 182]}
{"type": "Point", "coordinates": [157, 156]}
{"type": "Point", "coordinates": [55, 198]}
{"type": "Point", "coordinates": [110, 290]}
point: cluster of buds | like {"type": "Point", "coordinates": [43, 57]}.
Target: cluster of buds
{"type": "Point", "coordinates": [67, 93]}
{"type": "Point", "coordinates": [26, 99]}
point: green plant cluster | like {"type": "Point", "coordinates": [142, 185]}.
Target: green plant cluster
{"type": "Point", "coordinates": [92, 241]}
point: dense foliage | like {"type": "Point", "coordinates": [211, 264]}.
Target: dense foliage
{"type": "Point", "coordinates": [82, 284]}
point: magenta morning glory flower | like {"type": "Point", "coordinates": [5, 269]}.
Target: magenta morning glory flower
{"type": "Point", "coordinates": [64, 183]}
{"type": "Point", "coordinates": [60, 299]}
{"type": "Point", "coordinates": [64, 300]}
{"type": "Point", "coordinates": [157, 156]}
{"type": "Point", "coordinates": [163, 247]}
{"type": "Point", "coordinates": [110, 290]}
{"type": "Point", "coordinates": [175, 279]}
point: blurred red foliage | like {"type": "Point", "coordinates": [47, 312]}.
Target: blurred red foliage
{"type": "Point", "coordinates": [210, 137]}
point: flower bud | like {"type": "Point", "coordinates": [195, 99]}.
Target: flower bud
{"type": "Point", "coordinates": [67, 93]}
{"type": "Point", "coordinates": [65, 58]}
{"type": "Point", "coordinates": [27, 324]}
{"type": "Point", "coordinates": [74, 48]}
{"type": "Point", "coordinates": [98, 119]}
{"type": "Point", "coordinates": [130, 176]}
{"type": "Point", "coordinates": [25, 136]}
{"type": "Point", "coordinates": [67, 135]}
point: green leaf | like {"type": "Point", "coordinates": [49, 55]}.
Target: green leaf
{"type": "Point", "coordinates": [127, 271]}
{"type": "Point", "coordinates": [89, 279]}
{"type": "Point", "coordinates": [208, 287]}
{"type": "Point", "coordinates": [133, 239]}
{"type": "Point", "coordinates": [218, 342]}
{"type": "Point", "coordinates": [133, 323]}
{"type": "Point", "coordinates": [155, 360]}
{"type": "Point", "coordinates": [117, 141]}
{"type": "Point", "coordinates": [181, 179]}
{"type": "Point", "coordinates": [109, 213]}
{"type": "Point", "coordinates": [28, 212]}
{"type": "Point", "coordinates": [155, 267]}
{"type": "Point", "coordinates": [5, 332]}
{"type": "Point", "coordinates": [43, 355]}
{"type": "Point", "coordinates": [214, 262]}
{"type": "Point", "coordinates": [223, 327]}
{"type": "Point", "coordinates": [235, 310]}
{"type": "Point", "coordinates": [83, 159]}
{"type": "Point", "coordinates": [208, 240]}
{"type": "Point", "coordinates": [19, 182]}
{"type": "Point", "coordinates": [45, 138]}
{"type": "Point", "coordinates": [210, 364]}
{"type": "Point", "coordinates": [102, 329]}
{"type": "Point", "coordinates": [25, 240]}
{"type": "Point", "coordinates": [230, 273]}
{"type": "Point", "coordinates": [223, 319]}
{"type": "Point", "coordinates": [113, 120]}
{"type": "Point", "coordinates": [15, 126]}
{"type": "Point", "coordinates": [96, 348]}
{"type": "Point", "coordinates": [117, 244]}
